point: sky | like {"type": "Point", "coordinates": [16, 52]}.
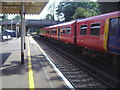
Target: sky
{"type": "Point", "coordinates": [44, 12]}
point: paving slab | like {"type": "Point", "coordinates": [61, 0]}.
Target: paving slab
{"type": "Point", "coordinates": [15, 75]}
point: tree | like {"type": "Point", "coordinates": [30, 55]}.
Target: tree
{"type": "Point", "coordinates": [5, 17]}
{"type": "Point", "coordinates": [68, 9]}
{"type": "Point", "coordinates": [79, 13]}
{"type": "Point", "coordinates": [17, 17]}
{"type": "Point", "coordinates": [51, 9]}
{"type": "Point", "coordinates": [49, 16]}
{"type": "Point", "coordinates": [106, 7]}
{"type": "Point", "coordinates": [82, 13]}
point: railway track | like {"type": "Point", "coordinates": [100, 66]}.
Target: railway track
{"type": "Point", "coordinates": [77, 74]}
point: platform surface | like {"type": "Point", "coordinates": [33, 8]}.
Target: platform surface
{"type": "Point", "coordinates": [36, 72]}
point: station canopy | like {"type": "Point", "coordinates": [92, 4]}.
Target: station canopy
{"type": "Point", "coordinates": [15, 7]}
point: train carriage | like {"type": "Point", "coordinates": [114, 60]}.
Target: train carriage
{"type": "Point", "coordinates": [63, 32]}
{"type": "Point", "coordinates": [41, 32]}
{"type": "Point", "coordinates": [54, 33]}
{"type": "Point", "coordinates": [67, 31]}
{"type": "Point", "coordinates": [94, 32]}
{"type": "Point", "coordinates": [45, 32]}
{"type": "Point", "coordinates": [90, 33]}
{"type": "Point", "coordinates": [114, 35]}
{"type": "Point", "coordinates": [99, 33]}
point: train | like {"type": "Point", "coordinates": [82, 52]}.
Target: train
{"type": "Point", "coordinates": [99, 33]}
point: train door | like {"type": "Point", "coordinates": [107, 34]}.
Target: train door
{"type": "Point", "coordinates": [58, 33]}
{"type": "Point", "coordinates": [50, 33]}
{"type": "Point", "coordinates": [75, 33]}
{"type": "Point", "coordinates": [118, 29]}
{"type": "Point", "coordinates": [114, 35]}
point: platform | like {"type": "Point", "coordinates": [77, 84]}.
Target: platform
{"type": "Point", "coordinates": [36, 72]}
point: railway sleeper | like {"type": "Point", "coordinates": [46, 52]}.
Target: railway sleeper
{"type": "Point", "coordinates": [82, 81]}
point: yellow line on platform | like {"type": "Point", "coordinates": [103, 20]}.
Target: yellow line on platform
{"type": "Point", "coordinates": [30, 72]}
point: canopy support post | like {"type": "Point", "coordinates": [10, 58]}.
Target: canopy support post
{"type": "Point", "coordinates": [22, 32]}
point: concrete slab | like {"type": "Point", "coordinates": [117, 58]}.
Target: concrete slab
{"type": "Point", "coordinates": [14, 75]}
{"type": "Point", "coordinates": [45, 76]}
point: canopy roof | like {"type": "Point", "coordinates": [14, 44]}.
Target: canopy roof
{"type": "Point", "coordinates": [15, 7]}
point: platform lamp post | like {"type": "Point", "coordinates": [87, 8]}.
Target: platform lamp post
{"type": "Point", "coordinates": [19, 27]}
{"type": "Point", "coordinates": [11, 24]}
{"type": "Point", "coordinates": [16, 29]}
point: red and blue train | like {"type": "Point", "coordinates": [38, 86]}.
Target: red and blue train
{"type": "Point", "coordinates": [98, 33]}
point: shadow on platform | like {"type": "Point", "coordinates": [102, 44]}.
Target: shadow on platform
{"type": "Point", "coordinates": [4, 57]}
{"type": "Point", "coordinates": [15, 66]}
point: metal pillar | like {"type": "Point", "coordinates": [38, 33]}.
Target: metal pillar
{"type": "Point", "coordinates": [16, 30]}
{"type": "Point", "coordinates": [11, 24]}
{"type": "Point", "coordinates": [22, 32]}
{"type": "Point", "coordinates": [6, 27]}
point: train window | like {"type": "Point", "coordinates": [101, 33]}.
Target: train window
{"type": "Point", "coordinates": [68, 30]}
{"type": "Point", "coordinates": [47, 31]}
{"type": "Point", "coordinates": [113, 26]}
{"type": "Point", "coordinates": [83, 29]}
{"type": "Point", "coordinates": [42, 32]}
{"type": "Point", "coordinates": [95, 29]}
{"type": "Point", "coordinates": [54, 31]}
{"type": "Point", "coordinates": [63, 30]}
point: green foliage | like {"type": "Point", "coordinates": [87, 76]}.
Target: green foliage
{"type": "Point", "coordinates": [17, 17]}
{"type": "Point", "coordinates": [67, 9]}
{"type": "Point", "coordinates": [82, 13]}
{"type": "Point", "coordinates": [70, 9]}
{"type": "Point", "coordinates": [49, 16]}
{"type": "Point", "coordinates": [79, 13]}
{"type": "Point", "coordinates": [51, 9]}
{"type": "Point", "coordinates": [5, 17]}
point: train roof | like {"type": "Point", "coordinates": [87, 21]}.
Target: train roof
{"type": "Point", "coordinates": [85, 19]}
{"type": "Point", "coordinates": [61, 24]}
{"type": "Point", "coordinates": [117, 13]}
